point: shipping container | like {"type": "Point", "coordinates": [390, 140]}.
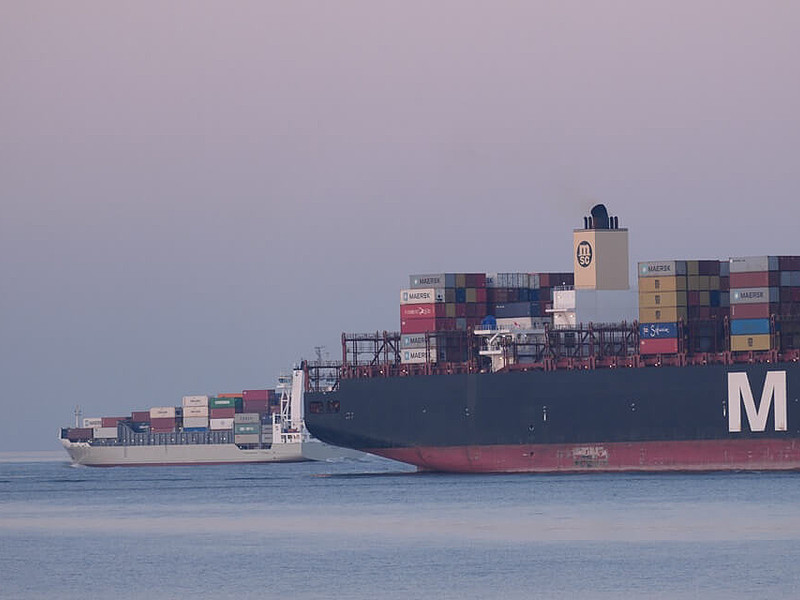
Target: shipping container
{"type": "Point", "coordinates": [662, 299]}
{"type": "Point", "coordinates": [461, 295]}
{"type": "Point", "coordinates": [658, 331]}
{"type": "Point", "coordinates": [218, 424]}
{"type": "Point", "coordinates": [194, 401]}
{"type": "Point", "coordinates": [140, 416]}
{"type": "Point", "coordinates": [754, 311]}
{"type": "Point", "coordinates": [436, 280]}
{"type": "Point", "coordinates": [480, 295]}
{"type": "Point", "coordinates": [247, 418]}
{"type": "Point", "coordinates": [246, 428]}
{"type": "Point", "coordinates": [422, 296]}
{"type": "Point", "coordinates": [255, 395]}
{"type": "Point", "coordinates": [162, 412]}
{"type": "Point", "coordinates": [423, 325]}
{"type": "Point", "coordinates": [256, 405]}
{"type": "Point", "coordinates": [195, 411]}
{"type": "Point", "coordinates": [747, 264]}
{"type": "Point", "coordinates": [758, 295]}
{"type": "Point", "coordinates": [162, 422]}
{"type": "Point", "coordinates": [666, 314]}
{"type": "Point", "coordinates": [476, 280]}
{"type": "Point", "coordinates": [101, 433]}
{"type": "Point", "coordinates": [749, 326]}
{"type": "Point", "coordinates": [422, 311]}
{"type": "Point", "coordinates": [741, 343]}
{"type": "Point", "coordinates": [79, 434]}
{"type": "Point", "coordinates": [516, 309]}
{"type": "Point", "coordinates": [789, 263]}
{"type": "Point", "coordinates": [195, 422]}
{"type": "Point", "coordinates": [247, 438]}
{"type": "Point", "coordinates": [790, 278]}
{"type": "Point", "coordinates": [418, 356]}
{"type": "Point", "coordinates": [755, 279]}
{"type": "Point", "coordinates": [111, 421]}
{"type": "Point", "coordinates": [222, 402]}
{"type": "Point", "coordinates": [698, 282]}
{"type": "Point", "coordinates": [418, 340]}
{"type": "Point", "coordinates": [222, 413]}
{"type": "Point", "coordinates": [662, 268]}
{"type": "Point", "coordinates": [92, 422]}
{"type": "Point", "coordinates": [658, 346]}
{"type": "Point", "coordinates": [663, 284]}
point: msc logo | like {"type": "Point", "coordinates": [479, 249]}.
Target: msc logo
{"type": "Point", "coordinates": [584, 254]}
{"type": "Point", "coordinates": [739, 392]}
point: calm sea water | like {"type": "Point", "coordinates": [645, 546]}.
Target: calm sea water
{"type": "Point", "coordinates": [375, 529]}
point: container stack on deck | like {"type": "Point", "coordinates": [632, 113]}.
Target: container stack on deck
{"type": "Point", "coordinates": [520, 300]}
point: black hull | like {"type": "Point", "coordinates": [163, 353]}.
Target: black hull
{"type": "Point", "coordinates": [610, 419]}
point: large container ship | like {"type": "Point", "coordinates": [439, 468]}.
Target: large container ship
{"type": "Point", "coordinates": [253, 426]}
{"type": "Point", "coordinates": [694, 369]}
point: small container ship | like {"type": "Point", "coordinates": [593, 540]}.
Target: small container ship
{"type": "Point", "coordinates": [693, 369]}
{"type": "Point", "coordinates": [252, 426]}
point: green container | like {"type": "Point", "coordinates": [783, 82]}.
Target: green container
{"type": "Point", "coordinates": [215, 402]}
{"type": "Point", "coordinates": [245, 428]}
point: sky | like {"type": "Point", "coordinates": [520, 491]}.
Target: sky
{"type": "Point", "coordinates": [194, 195]}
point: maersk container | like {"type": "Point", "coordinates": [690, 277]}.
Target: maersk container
{"type": "Point", "coordinates": [749, 326]}
{"type": "Point", "coordinates": [162, 412]}
{"type": "Point", "coordinates": [743, 343]}
{"type": "Point", "coordinates": [658, 331]}
{"type": "Point", "coordinates": [756, 295]}
{"type": "Point", "coordinates": [218, 424]}
{"type": "Point", "coordinates": [247, 418]}
{"type": "Point", "coordinates": [92, 422]}
{"type": "Point", "coordinates": [417, 356]}
{"type": "Point", "coordinates": [247, 428]}
{"type": "Point", "coordinates": [187, 401]}
{"type": "Point", "coordinates": [195, 422]}
{"type": "Point", "coordinates": [662, 268]}
{"type": "Point", "coordinates": [421, 296]}
{"type": "Point", "coordinates": [105, 432]}
{"type": "Point", "coordinates": [417, 340]}
{"type": "Point", "coordinates": [435, 280]}
{"type": "Point", "coordinates": [748, 264]}
{"type": "Point", "coordinates": [195, 411]}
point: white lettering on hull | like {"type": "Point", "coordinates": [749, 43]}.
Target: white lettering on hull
{"type": "Point", "coordinates": [740, 392]}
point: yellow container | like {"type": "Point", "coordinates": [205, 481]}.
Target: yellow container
{"type": "Point", "coordinates": [741, 343]}
{"type": "Point", "coordinates": [667, 314]}
{"type": "Point", "coordinates": [662, 284]}
{"type": "Point", "coordinates": [692, 267]}
{"type": "Point", "coordinates": [705, 298]}
{"type": "Point", "coordinates": [461, 280]}
{"type": "Point", "coordinates": [713, 282]}
{"type": "Point", "coordinates": [450, 310]}
{"type": "Point", "coordinates": [661, 299]}
{"type": "Point", "coordinates": [472, 295]}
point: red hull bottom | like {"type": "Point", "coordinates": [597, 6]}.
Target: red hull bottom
{"type": "Point", "coordinates": [707, 455]}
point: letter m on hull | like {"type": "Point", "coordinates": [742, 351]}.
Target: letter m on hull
{"type": "Point", "coordinates": [739, 392]}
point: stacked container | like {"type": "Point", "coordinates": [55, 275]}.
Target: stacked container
{"type": "Point", "coordinates": [247, 428]}
{"type": "Point", "coordinates": [521, 299]}
{"type": "Point", "coordinates": [755, 295]}
{"type": "Point", "coordinates": [662, 305]}
{"type": "Point", "coordinates": [195, 413]}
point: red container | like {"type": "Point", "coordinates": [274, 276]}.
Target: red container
{"type": "Point", "coordinates": [79, 434]}
{"type": "Point", "coordinates": [461, 310]}
{"type": "Point", "coordinates": [475, 280]}
{"type": "Point", "coordinates": [704, 312]}
{"type": "Point", "coordinates": [753, 311]}
{"type": "Point", "coordinates": [140, 416]}
{"type": "Point", "coordinates": [658, 346]}
{"type": "Point", "coordinates": [422, 311]}
{"type": "Point", "coordinates": [256, 406]}
{"type": "Point", "coordinates": [480, 295]}
{"type": "Point", "coordinates": [162, 423]}
{"type": "Point", "coordinates": [423, 325]}
{"type": "Point", "coordinates": [724, 283]}
{"type": "Point", "coordinates": [110, 421]}
{"type": "Point", "coordinates": [755, 279]}
{"type": "Point", "coordinates": [693, 298]}
{"type": "Point", "coordinates": [221, 413]}
{"type": "Point", "coordinates": [795, 294]}
{"type": "Point", "coordinates": [255, 395]}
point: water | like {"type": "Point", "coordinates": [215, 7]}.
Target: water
{"type": "Point", "coordinates": [374, 529]}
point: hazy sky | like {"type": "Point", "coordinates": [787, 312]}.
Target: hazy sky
{"type": "Point", "coordinates": [195, 194]}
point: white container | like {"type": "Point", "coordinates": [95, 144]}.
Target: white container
{"type": "Point", "coordinates": [195, 411]}
{"type": "Point", "coordinates": [415, 340]}
{"type": "Point", "coordinates": [194, 401]}
{"type": "Point", "coordinates": [491, 280]}
{"type": "Point", "coordinates": [662, 268]}
{"type": "Point", "coordinates": [421, 296]}
{"type": "Point", "coordinates": [162, 412]}
{"type": "Point", "coordinates": [415, 356]}
{"type": "Point", "coordinates": [195, 421]}
{"type": "Point", "coordinates": [105, 432]}
{"type": "Point", "coordinates": [753, 264]}
{"type": "Point", "coordinates": [435, 280]}
{"type": "Point", "coordinates": [759, 295]}
{"type": "Point", "coordinates": [246, 418]}
{"type": "Point", "coordinates": [93, 422]}
{"type": "Point", "coordinates": [220, 424]}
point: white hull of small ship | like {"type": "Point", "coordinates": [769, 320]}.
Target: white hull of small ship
{"type": "Point", "coordinates": [82, 453]}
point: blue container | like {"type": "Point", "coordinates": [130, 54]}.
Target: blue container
{"type": "Point", "coordinates": [714, 298]}
{"type": "Point", "coordinates": [523, 295]}
{"type": "Point", "coordinates": [516, 309]}
{"type": "Point", "coordinates": [657, 331]}
{"type": "Point", "coordinates": [461, 295]}
{"type": "Point", "coordinates": [187, 429]}
{"type": "Point", "coordinates": [749, 326]}
{"type": "Point", "coordinates": [533, 295]}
